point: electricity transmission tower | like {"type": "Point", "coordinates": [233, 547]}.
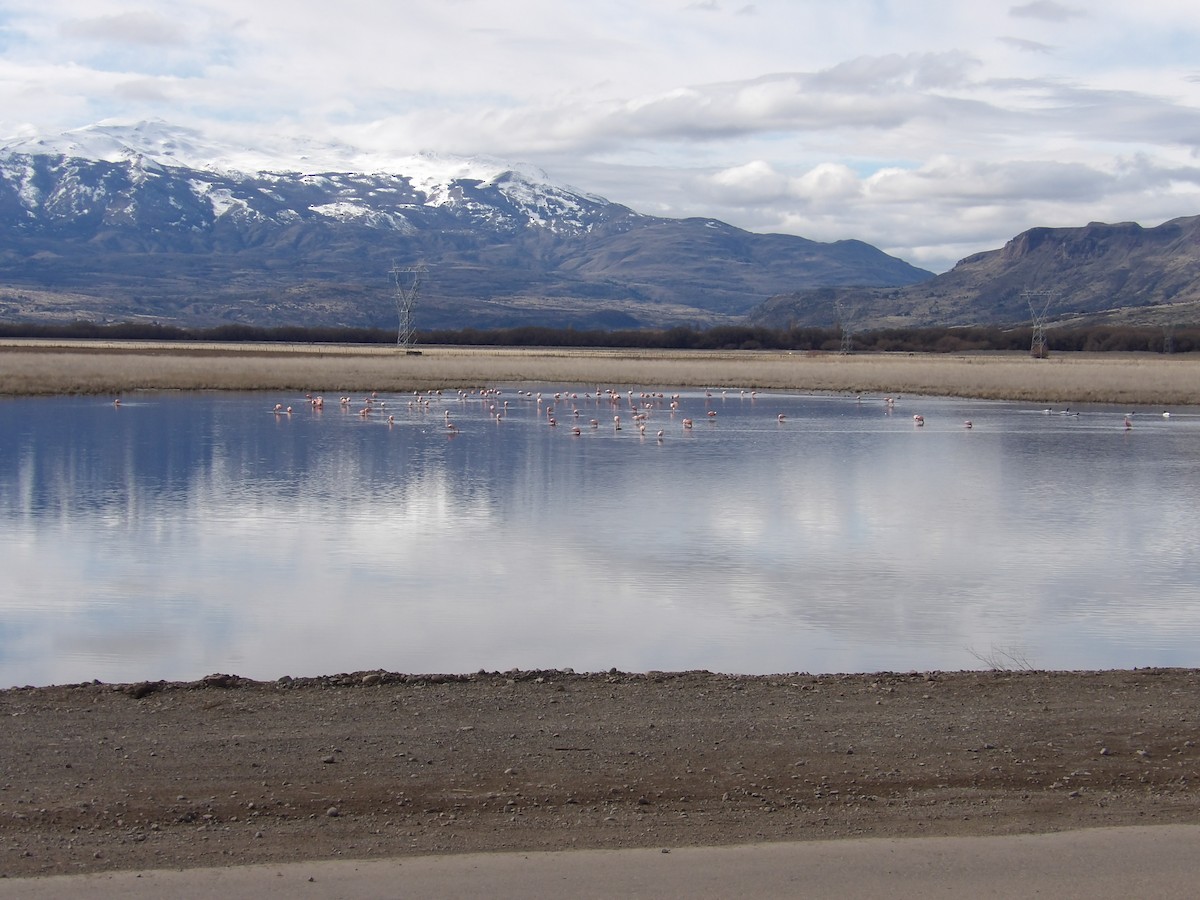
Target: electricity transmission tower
{"type": "Point", "coordinates": [843, 318]}
{"type": "Point", "coordinates": [407, 283]}
{"type": "Point", "coordinates": [1038, 310]}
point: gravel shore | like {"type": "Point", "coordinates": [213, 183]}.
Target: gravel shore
{"type": "Point", "coordinates": [367, 765]}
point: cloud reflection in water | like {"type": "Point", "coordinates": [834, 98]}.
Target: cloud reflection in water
{"type": "Point", "coordinates": [190, 534]}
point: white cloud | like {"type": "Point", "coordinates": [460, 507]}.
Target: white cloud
{"type": "Point", "coordinates": [136, 27]}
{"type": "Point", "coordinates": [931, 129]}
{"type": "Point", "coordinates": [758, 184]}
{"type": "Point", "coordinates": [1027, 45]}
{"type": "Point", "coordinates": [1047, 10]}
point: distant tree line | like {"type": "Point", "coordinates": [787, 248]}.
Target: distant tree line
{"type": "Point", "coordinates": [1113, 338]}
{"type": "Point", "coordinates": [232, 333]}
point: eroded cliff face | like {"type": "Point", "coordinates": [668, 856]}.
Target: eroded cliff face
{"type": "Point", "coordinates": [1095, 241]}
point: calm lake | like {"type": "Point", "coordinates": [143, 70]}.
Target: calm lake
{"type": "Point", "coordinates": [176, 535]}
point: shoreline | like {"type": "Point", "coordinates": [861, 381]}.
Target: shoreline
{"type": "Point", "coordinates": [43, 368]}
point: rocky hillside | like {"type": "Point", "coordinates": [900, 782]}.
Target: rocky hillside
{"type": "Point", "coordinates": [1120, 273]}
{"type": "Point", "coordinates": [119, 224]}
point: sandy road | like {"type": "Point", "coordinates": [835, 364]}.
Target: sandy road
{"type": "Point", "coordinates": [1097, 864]}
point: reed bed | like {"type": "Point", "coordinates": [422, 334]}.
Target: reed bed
{"type": "Point", "coordinates": [90, 367]}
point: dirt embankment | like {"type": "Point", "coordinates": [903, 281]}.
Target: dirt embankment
{"type": "Point", "coordinates": [228, 771]}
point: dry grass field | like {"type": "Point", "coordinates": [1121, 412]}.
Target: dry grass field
{"type": "Point", "coordinates": [92, 367]}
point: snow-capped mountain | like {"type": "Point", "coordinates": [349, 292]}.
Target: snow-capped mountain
{"type": "Point", "coordinates": [172, 145]}
{"type": "Point", "coordinates": [362, 187]}
{"type": "Point", "coordinates": [154, 220]}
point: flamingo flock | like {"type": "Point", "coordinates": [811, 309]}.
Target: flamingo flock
{"type": "Point", "coordinates": [640, 408]}
{"type": "Point", "coordinates": [636, 409]}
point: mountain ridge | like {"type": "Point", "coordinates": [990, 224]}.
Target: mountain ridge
{"type": "Point", "coordinates": [111, 218]}
{"type": "Point", "coordinates": [1121, 273]}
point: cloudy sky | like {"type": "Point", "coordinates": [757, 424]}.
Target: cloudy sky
{"type": "Point", "coordinates": [929, 128]}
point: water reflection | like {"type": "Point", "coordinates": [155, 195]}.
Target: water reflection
{"type": "Point", "coordinates": [179, 535]}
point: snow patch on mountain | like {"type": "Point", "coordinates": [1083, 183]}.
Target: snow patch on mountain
{"type": "Point", "coordinates": [73, 196]}
{"type": "Point", "coordinates": [21, 174]}
{"type": "Point", "coordinates": [160, 143]}
{"type": "Point", "coordinates": [155, 142]}
{"type": "Point", "coordinates": [545, 204]}
{"type": "Point", "coordinates": [349, 211]}
{"type": "Point", "coordinates": [434, 175]}
{"type": "Point", "coordinates": [222, 200]}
